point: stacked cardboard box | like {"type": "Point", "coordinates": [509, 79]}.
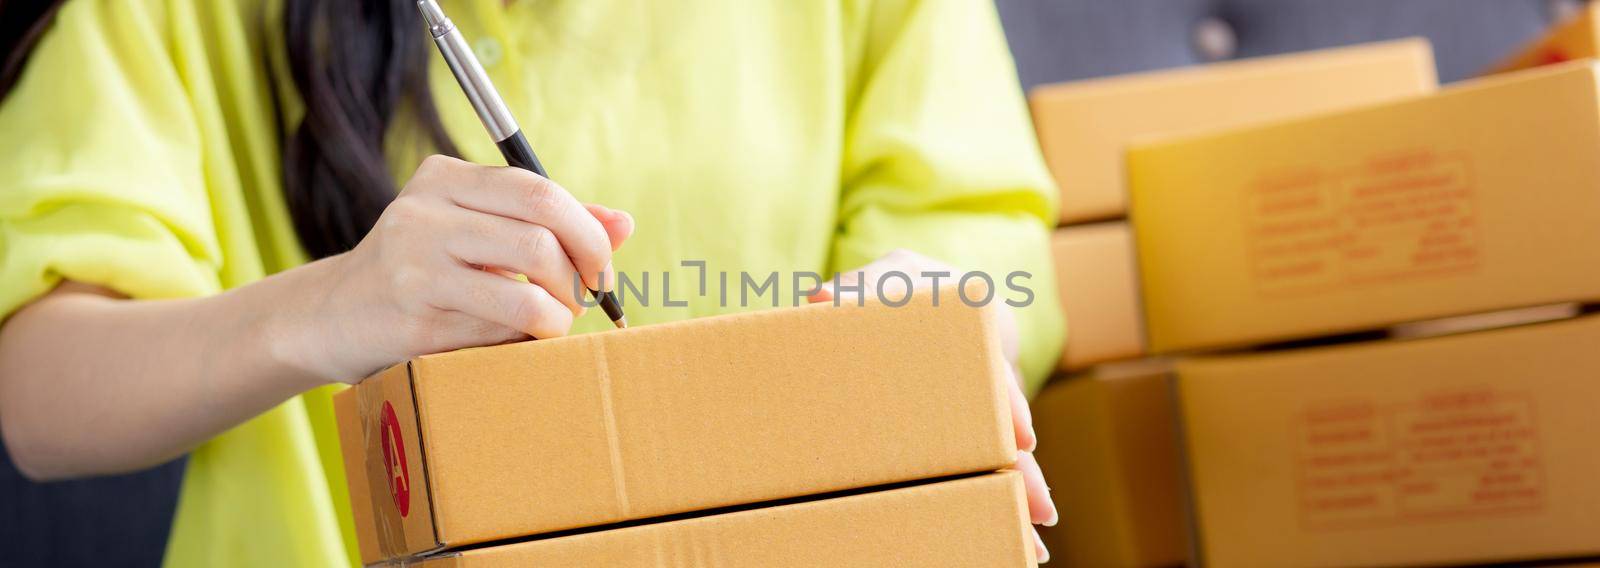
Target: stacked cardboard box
{"type": "Point", "coordinates": [959, 523]}
{"type": "Point", "coordinates": [1085, 128]}
{"type": "Point", "coordinates": [1108, 446]}
{"type": "Point", "coordinates": [1576, 38]}
{"type": "Point", "coordinates": [1472, 448]}
{"type": "Point", "coordinates": [1483, 197]}
{"type": "Point", "coordinates": [1467, 448]}
{"type": "Point", "coordinates": [688, 434]}
{"type": "Point", "coordinates": [1362, 223]}
{"type": "Point", "coordinates": [1463, 449]}
{"type": "Point", "coordinates": [1099, 288]}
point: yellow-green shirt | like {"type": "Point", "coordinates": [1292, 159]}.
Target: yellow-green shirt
{"type": "Point", "coordinates": [140, 152]}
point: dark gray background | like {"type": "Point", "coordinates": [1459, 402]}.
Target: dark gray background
{"type": "Point", "coordinates": [1058, 40]}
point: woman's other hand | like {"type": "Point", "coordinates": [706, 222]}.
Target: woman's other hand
{"type": "Point", "coordinates": [437, 271]}
{"type": "Point", "coordinates": [1040, 507]}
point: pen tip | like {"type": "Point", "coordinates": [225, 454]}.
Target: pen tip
{"type": "Point", "coordinates": [622, 322]}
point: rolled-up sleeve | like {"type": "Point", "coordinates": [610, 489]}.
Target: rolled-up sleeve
{"type": "Point", "coordinates": [940, 158]}
{"type": "Point", "coordinates": [101, 179]}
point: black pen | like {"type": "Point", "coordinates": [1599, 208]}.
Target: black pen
{"type": "Point", "coordinates": [492, 111]}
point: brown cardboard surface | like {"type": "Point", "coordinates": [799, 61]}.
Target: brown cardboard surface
{"type": "Point", "coordinates": [1483, 321]}
{"type": "Point", "coordinates": [1485, 196]}
{"type": "Point", "coordinates": [1573, 39]}
{"type": "Point", "coordinates": [976, 521]}
{"type": "Point", "coordinates": [1099, 294]}
{"type": "Point", "coordinates": [1085, 126]}
{"type": "Point", "coordinates": [390, 476]}
{"type": "Point", "coordinates": [1463, 449]}
{"type": "Point", "coordinates": [587, 430]}
{"type": "Point", "coordinates": [1108, 445]}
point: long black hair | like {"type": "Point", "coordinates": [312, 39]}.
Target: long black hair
{"type": "Point", "coordinates": [22, 22]}
{"type": "Point", "coordinates": [359, 65]}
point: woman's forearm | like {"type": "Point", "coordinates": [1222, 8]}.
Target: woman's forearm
{"type": "Point", "coordinates": [93, 384]}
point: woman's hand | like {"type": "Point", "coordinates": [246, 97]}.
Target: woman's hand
{"type": "Point", "coordinates": [437, 271]}
{"type": "Point", "coordinates": [1040, 507]}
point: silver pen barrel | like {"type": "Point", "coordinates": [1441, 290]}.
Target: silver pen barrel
{"type": "Point", "coordinates": [469, 73]}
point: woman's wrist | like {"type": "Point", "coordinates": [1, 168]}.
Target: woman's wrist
{"type": "Point", "coordinates": [292, 324]}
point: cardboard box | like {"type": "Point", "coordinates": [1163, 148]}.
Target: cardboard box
{"type": "Point", "coordinates": [1084, 126]}
{"type": "Point", "coordinates": [1484, 321]}
{"type": "Point", "coordinates": [529, 438]}
{"type": "Point", "coordinates": [1099, 294]}
{"type": "Point", "coordinates": [1485, 196]}
{"type": "Point", "coordinates": [1472, 448]}
{"type": "Point", "coordinates": [974, 521]}
{"type": "Point", "coordinates": [1576, 38]}
{"type": "Point", "coordinates": [1108, 445]}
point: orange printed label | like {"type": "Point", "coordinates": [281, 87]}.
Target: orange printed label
{"type": "Point", "coordinates": [1449, 454]}
{"type": "Point", "coordinates": [1394, 216]}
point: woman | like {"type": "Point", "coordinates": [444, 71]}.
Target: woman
{"type": "Point", "coordinates": [169, 167]}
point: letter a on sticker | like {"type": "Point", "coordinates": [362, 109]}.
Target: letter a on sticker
{"type": "Point", "coordinates": [394, 460]}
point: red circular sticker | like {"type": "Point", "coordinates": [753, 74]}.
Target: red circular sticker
{"type": "Point", "coordinates": [394, 460]}
{"type": "Point", "coordinates": [1553, 55]}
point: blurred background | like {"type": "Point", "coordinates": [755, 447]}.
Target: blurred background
{"type": "Point", "coordinates": [1053, 41]}
{"type": "Point", "coordinates": [1063, 40]}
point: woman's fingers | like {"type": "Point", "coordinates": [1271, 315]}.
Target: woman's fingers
{"type": "Point", "coordinates": [1042, 553]}
{"type": "Point", "coordinates": [1010, 336]}
{"type": "Point", "coordinates": [530, 250]}
{"type": "Point", "coordinates": [875, 280]}
{"type": "Point", "coordinates": [1021, 414]}
{"type": "Point", "coordinates": [1040, 509]}
{"type": "Point", "coordinates": [456, 330]}
{"type": "Point", "coordinates": [525, 196]}
{"type": "Point", "coordinates": [618, 224]}
{"type": "Point", "coordinates": [525, 307]}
